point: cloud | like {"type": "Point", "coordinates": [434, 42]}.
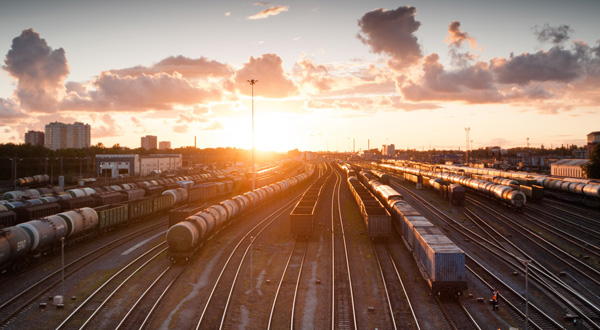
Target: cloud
{"type": "Point", "coordinates": [314, 77]}
{"type": "Point", "coordinates": [10, 112]}
{"type": "Point", "coordinates": [187, 67]}
{"type": "Point", "coordinates": [474, 84]}
{"type": "Point", "coordinates": [181, 128]}
{"type": "Point", "coordinates": [456, 37]}
{"type": "Point", "coordinates": [272, 80]}
{"type": "Point", "coordinates": [271, 11]}
{"type": "Point", "coordinates": [140, 93]}
{"type": "Point", "coordinates": [557, 64]}
{"type": "Point", "coordinates": [39, 69]}
{"type": "Point", "coordinates": [555, 35]}
{"type": "Point", "coordinates": [361, 106]}
{"type": "Point", "coordinates": [106, 127]}
{"type": "Point", "coordinates": [392, 32]}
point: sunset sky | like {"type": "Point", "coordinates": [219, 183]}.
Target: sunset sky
{"type": "Point", "coordinates": [410, 73]}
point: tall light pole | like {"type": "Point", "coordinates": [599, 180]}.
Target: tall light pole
{"type": "Point", "coordinates": [526, 263]}
{"type": "Point", "coordinates": [467, 130]}
{"type": "Point", "coordinates": [252, 82]}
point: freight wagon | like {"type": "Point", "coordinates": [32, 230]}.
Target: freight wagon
{"type": "Point", "coordinates": [377, 219]}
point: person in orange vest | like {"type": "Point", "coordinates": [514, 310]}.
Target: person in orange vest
{"type": "Point", "coordinates": [495, 297]}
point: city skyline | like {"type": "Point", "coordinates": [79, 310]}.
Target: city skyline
{"type": "Point", "coordinates": [330, 75]}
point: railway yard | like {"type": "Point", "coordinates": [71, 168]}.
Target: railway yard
{"type": "Point", "coordinates": [335, 263]}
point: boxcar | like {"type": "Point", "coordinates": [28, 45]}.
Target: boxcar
{"type": "Point", "coordinates": [32, 212]}
{"type": "Point", "coordinates": [112, 216]}
{"type": "Point", "coordinates": [8, 219]}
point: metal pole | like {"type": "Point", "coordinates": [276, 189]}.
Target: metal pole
{"type": "Point", "coordinates": [62, 252]}
{"type": "Point", "coordinates": [526, 263]}
{"type": "Point", "coordinates": [251, 282]}
{"type": "Point", "coordinates": [252, 82]}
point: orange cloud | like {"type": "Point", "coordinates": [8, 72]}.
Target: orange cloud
{"type": "Point", "coordinates": [272, 11]}
{"type": "Point", "coordinates": [456, 37]}
{"type": "Point", "coordinates": [187, 67]}
{"type": "Point", "coordinates": [144, 92]}
{"type": "Point", "coordinates": [272, 80]}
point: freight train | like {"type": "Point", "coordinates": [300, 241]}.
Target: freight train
{"type": "Point", "coordinates": [443, 261]}
{"type": "Point", "coordinates": [186, 238]}
{"type": "Point", "coordinates": [451, 192]}
{"type": "Point", "coordinates": [505, 194]}
{"type": "Point", "coordinates": [587, 188]}
{"type": "Point", "coordinates": [92, 211]}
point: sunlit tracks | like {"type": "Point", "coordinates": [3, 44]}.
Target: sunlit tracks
{"type": "Point", "coordinates": [10, 309]}
{"type": "Point", "coordinates": [143, 309]}
{"type": "Point", "coordinates": [400, 308]}
{"type": "Point", "coordinates": [458, 316]}
{"type": "Point", "coordinates": [214, 311]}
{"type": "Point", "coordinates": [515, 301]}
{"type": "Point", "coordinates": [543, 283]}
{"type": "Point", "coordinates": [283, 308]}
{"type": "Point", "coordinates": [343, 312]}
{"type": "Point", "coordinates": [82, 318]}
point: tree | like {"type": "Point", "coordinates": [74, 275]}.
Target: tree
{"type": "Point", "coordinates": [592, 169]}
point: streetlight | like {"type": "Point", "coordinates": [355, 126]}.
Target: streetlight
{"type": "Point", "coordinates": [526, 263]}
{"type": "Point", "coordinates": [252, 82]}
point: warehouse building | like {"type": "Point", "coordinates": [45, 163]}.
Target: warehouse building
{"type": "Point", "coordinates": [568, 168]}
{"type": "Point", "coordinates": [135, 165]}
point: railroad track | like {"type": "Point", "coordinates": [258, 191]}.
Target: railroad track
{"type": "Point", "coordinates": [283, 309]}
{"type": "Point", "coordinates": [229, 276]}
{"type": "Point", "coordinates": [577, 303]}
{"type": "Point", "coordinates": [496, 251]}
{"type": "Point", "coordinates": [514, 300]}
{"type": "Point", "coordinates": [400, 307]}
{"type": "Point", "coordinates": [11, 309]}
{"type": "Point", "coordinates": [585, 232]}
{"type": "Point", "coordinates": [593, 215]}
{"type": "Point", "coordinates": [343, 311]}
{"type": "Point", "coordinates": [83, 317]}
{"type": "Point", "coordinates": [141, 312]}
{"type": "Point", "coordinates": [457, 315]}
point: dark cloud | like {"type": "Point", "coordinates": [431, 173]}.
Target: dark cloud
{"type": "Point", "coordinates": [187, 67]}
{"type": "Point", "coordinates": [272, 80]}
{"type": "Point", "coordinates": [555, 35]}
{"type": "Point", "coordinates": [473, 84]}
{"type": "Point", "coordinates": [557, 65]}
{"type": "Point", "coordinates": [392, 32]}
{"type": "Point", "coordinates": [39, 69]}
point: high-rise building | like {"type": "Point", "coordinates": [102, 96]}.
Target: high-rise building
{"type": "Point", "coordinates": [388, 150]}
{"type": "Point", "coordinates": [164, 145]}
{"type": "Point", "coordinates": [149, 142]}
{"type": "Point", "coordinates": [61, 136]}
{"type": "Point", "coordinates": [34, 138]}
